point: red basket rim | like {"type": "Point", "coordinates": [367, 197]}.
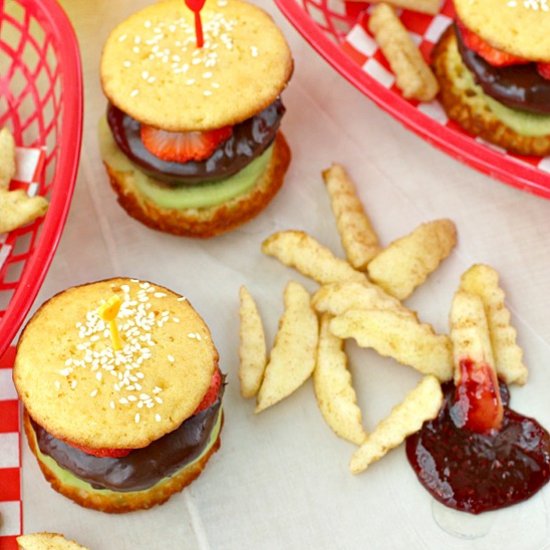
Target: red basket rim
{"type": "Point", "coordinates": [459, 146]}
{"type": "Point", "coordinates": [70, 138]}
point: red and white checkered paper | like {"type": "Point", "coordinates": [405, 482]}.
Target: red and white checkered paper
{"type": "Point", "coordinates": [29, 169]}
{"type": "Point", "coordinates": [11, 506]}
{"type": "Point", "coordinates": [425, 31]}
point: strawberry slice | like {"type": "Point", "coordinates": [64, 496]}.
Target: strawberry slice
{"type": "Point", "coordinates": [544, 70]}
{"type": "Point", "coordinates": [101, 453]}
{"type": "Point", "coordinates": [212, 393]}
{"type": "Point", "coordinates": [183, 146]}
{"type": "Point", "coordinates": [493, 56]}
{"type": "Point", "coordinates": [478, 406]}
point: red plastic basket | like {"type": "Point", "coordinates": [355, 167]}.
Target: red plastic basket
{"type": "Point", "coordinates": [41, 102]}
{"type": "Point", "coordinates": [325, 25]}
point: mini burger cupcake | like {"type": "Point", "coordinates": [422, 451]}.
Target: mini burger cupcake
{"type": "Point", "coordinates": [493, 66]}
{"type": "Point", "coordinates": [191, 139]}
{"type": "Point", "coordinates": [122, 393]}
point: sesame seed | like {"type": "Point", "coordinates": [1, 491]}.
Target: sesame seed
{"type": "Point", "coordinates": [122, 37]}
{"type": "Point", "coordinates": [171, 358]}
{"type": "Point", "coordinates": [135, 49]}
{"type": "Point", "coordinates": [99, 376]}
{"type": "Point", "coordinates": [157, 417]}
{"type": "Point", "coordinates": [73, 384]}
{"type": "Point", "coordinates": [137, 418]}
{"type": "Point", "coordinates": [123, 401]}
{"type": "Point", "coordinates": [190, 82]}
{"type": "Point", "coordinates": [134, 93]}
{"type": "Point", "coordinates": [65, 372]}
{"type": "Point", "coordinates": [57, 385]}
{"type": "Point", "coordinates": [207, 93]}
{"type": "Point", "coordinates": [93, 393]}
{"type": "Point", "coordinates": [147, 24]}
{"type": "Point", "coordinates": [156, 389]}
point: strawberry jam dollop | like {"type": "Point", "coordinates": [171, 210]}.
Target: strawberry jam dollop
{"type": "Point", "coordinates": [477, 406]}
{"type": "Point", "coordinates": [477, 472]}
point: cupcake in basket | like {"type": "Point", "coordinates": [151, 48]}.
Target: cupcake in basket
{"type": "Point", "coordinates": [122, 393]}
{"type": "Point", "coordinates": [191, 138]}
{"type": "Point", "coordinates": [493, 67]}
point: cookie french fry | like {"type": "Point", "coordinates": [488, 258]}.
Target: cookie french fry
{"type": "Point", "coordinates": [397, 335]}
{"type": "Point", "coordinates": [413, 75]}
{"type": "Point", "coordinates": [252, 352]}
{"type": "Point", "coordinates": [337, 298]}
{"type": "Point", "coordinates": [475, 376]}
{"type": "Point", "coordinates": [358, 237]}
{"type": "Point", "coordinates": [421, 404]}
{"type": "Point", "coordinates": [430, 7]}
{"type": "Point", "coordinates": [333, 388]}
{"type": "Point", "coordinates": [294, 353]}
{"type": "Point", "coordinates": [299, 250]}
{"type": "Point", "coordinates": [407, 262]}
{"type": "Point", "coordinates": [469, 332]}
{"type": "Point", "coordinates": [483, 281]}
{"type": "Point", "coordinates": [18, 209]}
{"type": "Point", "coordinates": [7, 158]}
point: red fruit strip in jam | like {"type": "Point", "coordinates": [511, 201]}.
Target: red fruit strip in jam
{"type": "Point", "coordinates": [477, 406]}
{"type": "Point", "coordinates": [212, 393]}
{"type": "Point", "coordinates": [102, 453]}
{"type": "Point", "coordinates": [183, 146]}
{"type": "Point", "coordinates": [474, 472]}
{"type": "Point", "coordinates": [544, 70]}
{"type": "Point", "coordinates": [493, 56]}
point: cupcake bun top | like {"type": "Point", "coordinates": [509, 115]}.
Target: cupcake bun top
{"type": "Point", "coordinates": [74, 384]}
{"type": "Point", "coordinates": [519, 27]}
{"type": "Point", "coordinates": [153, 71]}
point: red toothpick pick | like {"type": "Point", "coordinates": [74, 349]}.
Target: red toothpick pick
{"type": "Point", "coordinates": [196, 6]}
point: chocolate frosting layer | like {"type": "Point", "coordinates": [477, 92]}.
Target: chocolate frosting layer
{"type": "Point", "coordinates": [517, 86]}
{"type": "Point", "coordinates": [142, 468]}
{"type": "Point", "coordinates": [249, 140]}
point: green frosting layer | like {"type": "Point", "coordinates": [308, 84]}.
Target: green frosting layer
{"type": "Point", "coordinates": [522, 122]}
{"type": "Point", "coordinates": [69, 479]}
{"type": "Point", "coordinates": [201, 196]}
